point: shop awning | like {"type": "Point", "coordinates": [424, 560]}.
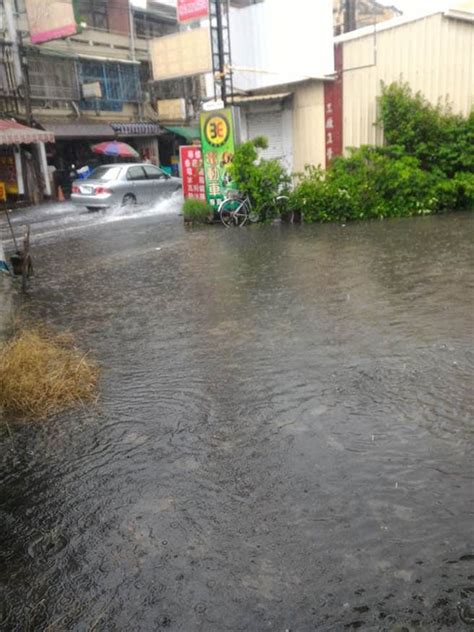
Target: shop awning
{"type": "Point", "coordinates": [141, 128]}
{"type": "Point", "coordinates": [13, 133]}
{"type": "Point", "coordinates": [79, 129]}
{"type": "Point", "coordinates": [262, 98]}
{"type": "Point", "coordinates": [189, 133]}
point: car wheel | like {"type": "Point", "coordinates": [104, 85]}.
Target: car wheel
{"type": "Point", "coordinates": [129, 199]}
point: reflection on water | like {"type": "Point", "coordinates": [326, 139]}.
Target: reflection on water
{"type": "Point", "coordinates": [284, 439]}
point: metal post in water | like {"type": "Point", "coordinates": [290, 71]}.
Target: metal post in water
{"type": "Point", "coordinates": [7, 211]}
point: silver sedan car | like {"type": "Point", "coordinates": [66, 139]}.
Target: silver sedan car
{"type": "Point", "coordinates": [123, 184]}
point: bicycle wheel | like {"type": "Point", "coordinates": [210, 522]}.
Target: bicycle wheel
{"type": "Point", "coordinates": [283, 210]}
{"type": "Point", "coordinates": [281, 204]}
{"type": "Point", "coordinates": [254, 216]}
{"type": "Point", "coordinates": [226, 211]}
{"type": "Point", "coordinates": [241, 215]}
{"type": "Point", "coordinates": [233, 212]}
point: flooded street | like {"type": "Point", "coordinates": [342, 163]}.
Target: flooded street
{"type": "Point", "coordinates": [284, 436]}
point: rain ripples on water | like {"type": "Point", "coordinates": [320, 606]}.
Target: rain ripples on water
{"type": "Point", "coordinates": [284, 435]}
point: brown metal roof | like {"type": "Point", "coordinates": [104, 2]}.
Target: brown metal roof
{"type": "Point", "coordinates": [81, 128]}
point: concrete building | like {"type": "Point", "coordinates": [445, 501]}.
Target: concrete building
{"type": "Point", "coordinates": [89, 86]}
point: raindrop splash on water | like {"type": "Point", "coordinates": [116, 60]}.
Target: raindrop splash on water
{"type": "Point", "coordinates": [265, 453]}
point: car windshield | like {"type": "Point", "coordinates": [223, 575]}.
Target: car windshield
{"type": "Point", "coordinates": [105, 173]}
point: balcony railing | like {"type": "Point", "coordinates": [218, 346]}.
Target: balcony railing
{"type": "Point", "coordinates": [120, 83]}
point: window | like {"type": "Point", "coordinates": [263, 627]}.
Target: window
{"type": "Point", "coordinates": [148, 25]}
{"type": "Point", "coordinates": [136, 173]}
{"type": "Point", "coordinates": [52, 77]}
{"type": "Point", "coordinates": [153, 173]}
{"type": "Point", "coordinates": [105, 173]}
{"type": "Point", "coordinates": [119, 83]}
{"type": "Point", "coordinates": [4, 84]}
{"type": "Point", "coordinates": [179, 87]}
{"type": "Point", "coordinates": [94, 13]}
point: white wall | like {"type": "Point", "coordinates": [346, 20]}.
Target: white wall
{"type": "Point", "coordinates": [281, 42]}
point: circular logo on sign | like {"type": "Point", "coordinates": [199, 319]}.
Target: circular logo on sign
{"type": "Point", "coordinates": [216, 130]}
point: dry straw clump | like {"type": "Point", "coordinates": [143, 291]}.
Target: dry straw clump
{"type": "Point", "coordinates": [42, 373]}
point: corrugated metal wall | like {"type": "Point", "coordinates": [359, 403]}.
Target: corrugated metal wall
{"type": "Point", "coordinates": [433, 54]}
{"type": "Point", "coordinates": [308, 125]}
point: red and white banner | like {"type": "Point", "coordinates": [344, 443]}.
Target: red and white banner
{"type": "Point", "coordinates": [192, 172]}
{"type": "Point", "coordinates": [188, 10]}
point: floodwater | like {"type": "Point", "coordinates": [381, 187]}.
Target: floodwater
{"type": "Point", "coordinates": [284, 437]}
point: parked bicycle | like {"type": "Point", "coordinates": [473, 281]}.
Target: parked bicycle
{"type": "Point", "coordinates": [237, 210]}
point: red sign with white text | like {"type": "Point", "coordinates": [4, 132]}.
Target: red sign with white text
{"type": "Point", "coordinates": [333, 95]}
{"type": "Point", "coordinates": [189, 10]}
{"type": "Point", "coordinates": [192, 172]}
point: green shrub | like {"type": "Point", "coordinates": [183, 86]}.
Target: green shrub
{"type": "Point", "coordinates": [454, 193]}
{"type": "Point", "coordinates": [439, 139]}
{"type": "Point", "coordinates": [262, 180]}
{"type": "Point", "coordinates": [427, 165]}
{"type": "Point", "coordinates": [367, 184]}
{"type": "Point", "coordinates": [196, 211]}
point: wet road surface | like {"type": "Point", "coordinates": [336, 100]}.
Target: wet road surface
{"type": "Point", "coordinates": [284, 438]}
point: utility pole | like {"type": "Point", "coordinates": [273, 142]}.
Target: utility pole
{"type": "Point", "coordinates": [132, 30]}
{"type": "Point", "coordinates": [17, 51]}
{"type": "Point", "coordinates": [221, 52]}
{"type": "Point", "coordinates": [350, 19]}
{"type": "Point", "coordinates": [10, 20]}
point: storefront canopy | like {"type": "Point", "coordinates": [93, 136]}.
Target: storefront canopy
{"type": "Point", "coordinates": [189, 133]}
{"type": "Point", "coordinates": [140, 128]}
{"type": "Point", "coordinates": [79, 129]}
{"type": "Point", "coordinates": [13, 133]}
{"type": "Point", "coordinates": [262, 98]}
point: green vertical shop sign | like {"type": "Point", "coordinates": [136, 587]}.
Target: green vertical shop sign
{"type": "Point", "coordinates": [218, 146]}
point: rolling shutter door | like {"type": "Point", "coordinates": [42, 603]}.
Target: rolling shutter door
{"type": "Point", "coordinates": [267, 124]}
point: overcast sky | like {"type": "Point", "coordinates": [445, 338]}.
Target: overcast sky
{"type": "Point", "coordinates": [409, 7]}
